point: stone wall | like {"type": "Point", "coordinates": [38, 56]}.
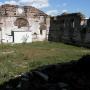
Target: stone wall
{"type": "Point", "coordinates": [70, 28]}
{"type": "Point", "coordinates": [23, 18]}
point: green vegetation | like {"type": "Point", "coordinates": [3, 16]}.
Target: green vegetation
{"type": "Point", "coordinates": [16, 59]}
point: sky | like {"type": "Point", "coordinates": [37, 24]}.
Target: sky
{"type": "Point", "coordinates": [55, 7]}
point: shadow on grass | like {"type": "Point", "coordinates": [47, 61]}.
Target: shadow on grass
{"type": "Point", "coordinates": [74, 75]}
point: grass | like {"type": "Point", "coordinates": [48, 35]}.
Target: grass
{"type": "Point", "coordinates": [19, 58]}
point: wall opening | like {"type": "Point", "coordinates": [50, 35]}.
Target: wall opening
{"type": "Point", "coordinates": [72, 23]}
{"type": "Point", "coordinates": [41, 32]}
{"type": "Point", "coordinates": [21, 22]}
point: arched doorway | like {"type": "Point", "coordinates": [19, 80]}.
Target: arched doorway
{"type": "Point", "coordinates": [21, 22]}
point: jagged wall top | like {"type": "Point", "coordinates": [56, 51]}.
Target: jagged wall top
{"type": "Point", "coordinates": [12, 10]}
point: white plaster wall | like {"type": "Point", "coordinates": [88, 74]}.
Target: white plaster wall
{"type": "Point", "coordinates": [8, 24]}
{"type": "Point", "coordinates": [43, 36]}
{"type": "Point", "coordinates": [8, 39]}
{"type": "Point", "coordinates": [22, 37]}
{"type": "Point", "coordinates": [34, 26]}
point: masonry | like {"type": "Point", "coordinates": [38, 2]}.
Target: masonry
{"type": "Point", "coordinates": [28, 24]}
{"type": "Point", "coordinates": [71, 28]}
{"type": "Point", "coordinates": [28, 19]}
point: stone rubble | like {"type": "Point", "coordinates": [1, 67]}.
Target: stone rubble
{"type": "Point", "coordinates": [74, 75]}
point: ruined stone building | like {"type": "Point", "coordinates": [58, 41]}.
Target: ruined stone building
{"type": "Point", "coordinates": [22, 23]}
{"type": "Point", "coordinates": [27, 24]}
{"type": "Point", "coordinates": [70, 28]}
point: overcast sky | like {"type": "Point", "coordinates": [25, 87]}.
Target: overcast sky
{"type": "Point", "coordinates": [55, 7]}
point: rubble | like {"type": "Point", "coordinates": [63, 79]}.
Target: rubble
{"type": "Point", "coordinates": [74, 75]}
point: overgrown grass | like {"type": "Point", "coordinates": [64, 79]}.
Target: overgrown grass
{"type": "Point", "coordinates": [19, 58]}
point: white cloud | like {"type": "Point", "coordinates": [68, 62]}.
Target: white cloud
{"type": "Point", "coordinates": [64, 11]}
{"type": "Point", "coordinates": [53, 12]}
{"type": "Point", "coordinates": [11, 2]}
{"type": "Point", "coordinates": [35, 3]}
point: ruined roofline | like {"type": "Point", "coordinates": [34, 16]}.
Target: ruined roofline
{"type": "Point", "coordinates": [10, 5]}
{"type": "Point", "coordinates": [82, 16]}
{"type": "Point", "coordinates": [38, 12]}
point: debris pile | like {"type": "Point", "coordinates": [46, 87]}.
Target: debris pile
{"type": "Point", "coordinates": [74, 75]}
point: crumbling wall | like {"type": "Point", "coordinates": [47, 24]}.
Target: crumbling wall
{"type": "Point", "coordinates": [87, 39]}
{"type": "Point", "coordinates": [69, 28]}
{"type": "Point", "coordinates": [23, 18]}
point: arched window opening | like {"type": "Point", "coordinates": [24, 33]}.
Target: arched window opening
{"type": "Point", "coordinates": [21, 22]}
